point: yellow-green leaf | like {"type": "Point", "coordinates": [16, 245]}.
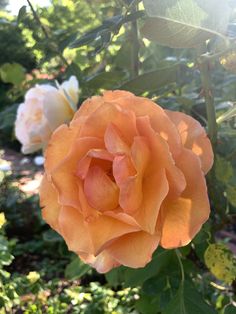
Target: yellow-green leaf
{"type": "Point", "coordinates": [221, 262]}
{"type": "Point", "coordinates": [12, 73]}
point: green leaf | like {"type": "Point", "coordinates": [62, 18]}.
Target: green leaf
{"type": "Point", "coordinates": [185, 23]}
{"type": "Point", "coordinates": [115, 276]}
{"type": "Point", "coordinates": [188, 301]}
{"type": "Point", "coordinates": [12, 73]}
{"type": "Point", "coordinates": [223, 169]}
{"type": "Point", "coordinates": [155, 285]}
{"type": "Point", "coordinates": [229, 114]}
{"type": "Point", "coordinates": [164, 262]}
{"type": "Point", "coordinates": [221, 262]}
{"type": "Point", "coordinates": [152, 81]}
{"type": "Point", "coordinates": [148, 304]}
{"type": "Point", "coordinates": [21, 14]}
{"type": "Point", "coordinates": [51, 236]}
{"type": "Point", "coordinates": [5, 258]}
{"type": "Point", "coordinates": [76, 269]}
{"type": "Point", "coordinates": [231, 194]}
{"type": "Point", "coordinates": [105, 80]}
{"type": "Point", "coordinates": [230, 309]}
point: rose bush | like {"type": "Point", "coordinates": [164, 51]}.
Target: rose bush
{"type": "Point", "coordinates": [44, 109]}
{"type": "Point", "coordinates": [124, 177]}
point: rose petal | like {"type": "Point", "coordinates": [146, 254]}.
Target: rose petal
{"type": "Point", "coordinates": [123, 168]}
{"type": "Point", "coordinates": [59, 146]}
{"type": "Point", "coordinates": [74, 230]}
{"type": "Point", "coordinates": [101, 192]}
{"type": "Point", "coordinates": [64, 176]}
{"type": "Point", "coordinates": [155, 189]}
{"type": "Point", "coordinates": [162, 156]}
{"type": "Point", "coordinates": [114, 141]}
{"type": "Point", "coordinates": [129, 180]}
{"type": "Point", "coordinates": [134, 249]}
{"type": "Point", "coordinates": [56, 109]}
{"type": "Point", "coordinates": [105, 229]}
{"type": "Point", "coordinates": [49, 202]}
{"type": "Point", "coordinates": [182, 219]}
{"type": "Point", "coordinates": [96, 123]}
{"type": "Point", "coordinates": [159, 120]}
{"type": "Point", "coordinates": [71, 88]}
{"type": "Point", "coordinates": [84, 163]}
{"type": "Point", "coordinates": [88, 107]}
{"type": "Point", "coordinates": [116, 94]}
{"type": "Point", "coordinates": [193, 137]}
{"type": "Point", "coordinates": [102, 263]}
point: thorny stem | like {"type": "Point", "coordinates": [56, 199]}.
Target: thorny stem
{"type": "Point", "coordinates": [135, 46]}
{"type": "Point", "coordinates": [209, 99]}
{"type": "Point", "coordinates": [44, 30]}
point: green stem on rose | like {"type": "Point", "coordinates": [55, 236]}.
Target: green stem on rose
{"type": "Point", "coordinates": [178, 254]}
{"type": "Point", "coordinates": [209, 99]}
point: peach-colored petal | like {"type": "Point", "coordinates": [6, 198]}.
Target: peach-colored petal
{"type": "Point", "coordinates": [59, 146]}
{"type": "Point", "coordinates": [134, 249]}
{"type": "Point", "coordinates": [49, 202]}
{"type": "Point", "coordinates": [162, 156]}
{"type": "Point", "coordinates": [101, 192]}
{"type": "Point", "coordinates": [131, 194]}
{"type": "Point", "coordinates": [84, 163]}
{"type": "Point", "coordinates": [140, 154]}
{"type": "Point", "coordinates": [114, 141]}
{"type": "Point", "coordinates": [181, 219]}
{"type": "Point", "coordinates": [88, 107]}
{"type": "Point", "coordinates": [124, 217]}
{"type": "Point", "coordinates": [88, 212]}
{"type": "Point", "coordinates": [193, 137]}
{"type": "Point", "coordinates": [74, 230]}
{"type": "Point", "coordinates": [155, 189]}
{"type": "Point", "coordinates": [102, 263]}
{"type": "Point", "coordinates": [64, 176]}
{"type": "Point", "coordinates": [96, 123]}
{"type": "Point", "coordinates": [159, 120]}
{"type": "Point", "coordinates": [105, 229]}
{"type": "Point", "coordinates": [116, 94]}
{"type": "Point", "coordinates": [123, 168]}
{"type": "Point", "coordinates": [130, 182]}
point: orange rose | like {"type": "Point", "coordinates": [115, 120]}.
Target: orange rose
{"type": "Point", "coordinates": [124, 177]}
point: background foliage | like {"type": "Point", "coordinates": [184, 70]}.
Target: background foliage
{"type": "Point", "coordinates": [180, 53]}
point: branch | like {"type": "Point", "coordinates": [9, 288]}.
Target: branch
{"type": "Point", "coordinates": [44, 30]}
{"type": "Point", "coordinates": [135, 47]}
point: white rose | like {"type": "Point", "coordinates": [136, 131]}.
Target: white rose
{"type": "Point", "coordinates": [45, 108]}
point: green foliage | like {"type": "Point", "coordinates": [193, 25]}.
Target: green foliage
{"type": "Point", "coordinates": [154, 80]}
{"type": "Point", "coordinates": [12, 73]}
{"type": "Point", "coordinates": [76, 269]}
{"type": "Point", "coordinates": [224, 170]}
{"type": "Point", "coordinates": [185, 23]}
{"type": "Point", "coordinates": [13, 45]}
{"type": "Point", "coordinates": [188, 301]}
